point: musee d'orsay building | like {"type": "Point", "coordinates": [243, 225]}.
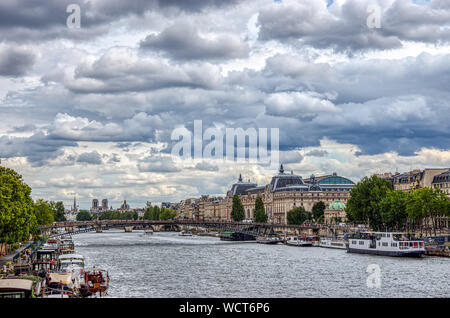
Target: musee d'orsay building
{"type": "Point", "coordinates": [285, 191]}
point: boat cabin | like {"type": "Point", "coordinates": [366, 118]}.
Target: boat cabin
{"type": "Point", "coordinates": [66, 260]}
{"type": "Point", "coordinates": [16, 288]}
{"type": "Point", "coordinates": [385, 243]}
{"type": "Point", "coordinates": [46, 255]}
{"type": "Point", "coordinates": [39, 267]}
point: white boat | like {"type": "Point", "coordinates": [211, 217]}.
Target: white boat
{"type": "Point", "coordinates": [185, 233]}
{"type": "Point", "coordinates": [60, 284]}
{"type": "Point", "coordinates": [298, 241]}
{"type": "Point", "coordinates": [148, 232]}
{"type": "Point", "coordinates": [71, 262]}
{"type": "Point", "coordinates": [385, 243]}
{"type": "Point", "coordinates": [269, 240]}
{"type": "Point", "coordinates": [333, 243]}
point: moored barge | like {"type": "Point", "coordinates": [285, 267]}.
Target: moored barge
{"type": "Point", "coordinates": [386, 244]}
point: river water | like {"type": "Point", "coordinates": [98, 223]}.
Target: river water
{"type": "Point", "coordinates": [167, 265]}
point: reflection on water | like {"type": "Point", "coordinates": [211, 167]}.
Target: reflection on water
{"type": "Point", "coordinates": [167, 265]}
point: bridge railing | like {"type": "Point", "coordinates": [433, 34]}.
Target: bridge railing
{"type": "Point", "coordinates": [223, 223]}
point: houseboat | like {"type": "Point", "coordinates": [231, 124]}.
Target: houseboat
{"type": "Point", "coordinates": [271, 239]}
{"type": "Point", "coordinates": [385, 243]}
{"type": "Point", "coordinates": [95, 282]}
{"type": "Point", "coordinates": [16, 288]}
{"type": "Point", "coordinates": [62, 285]}
{"type": "Point", "coordinates": [338, 243]}
{"type": "Point", "coordinates": [66, 243]}
{"type": "Point", "coordinates": [298, 241]}
{"type": "Point", "coordinates": [315, 240]}
{"type": "Point", "coordinates": [70, 262]}
{"type": "Point", "coordinates": [185, 233]}
{"type": "Point", "coordinates": [236, 236]}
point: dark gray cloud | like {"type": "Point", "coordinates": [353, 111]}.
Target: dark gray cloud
{"type": "Point", "coordinates": [206, 166]}
{"type": "Point", "coordinates": [157, 164]}
{"type": "Point", "coordinates": [317, 153]}
{"type": "Point", "coordinates": [183, 41]}
{"type": "Point", "coordinates": [38, 148]}
{"type": "Point", "coordinates": [120, 70]}
{"type": "Point", "coordinates": [93, 158]}
{"type": "Point", "coordinates": [115, 158]}
{"type": "Point", "coordinates": [125, 95]}
{"type": "Point", "coordinates": [31, 21]}
{"type": "Point", "coordinates": [15, 61]}
{"type": "Point", "coordinates": [344, 28]}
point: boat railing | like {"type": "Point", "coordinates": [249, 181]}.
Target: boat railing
{"type": "Point", "coordinates": [404, 245]}
{"type": "Point", "coordinates": [58, 291]}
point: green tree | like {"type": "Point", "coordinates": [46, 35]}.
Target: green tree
{"type": "Point", "coordinates": [17, 219]}
{"type": "Point", "coordinates": [84, 215]}
{"type": "Point", "coordinates": [364, 203]}
{"type": "Point", "coordinates": [260, 215]}
{"type": "Point", "coordinates": [393, 210]}
{"type": "Point", "coordinates": [425, 205]}
{"type": "Point", "coordinates": [167, 214]}
{"type": "Point", "coordinates": [237, 209]}
{"type": "Point", "coordinates": [298, 215]}
{"type": "Point", "coordinates": [43, 212]}
{"type": "Point", "coordinates": [58, 211]}
{"type": "Point", "coordinates": [318, 211]}
{"type": "Point", "coordinates": [152, 213]}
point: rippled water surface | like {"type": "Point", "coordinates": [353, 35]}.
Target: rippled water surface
{"type": "Point", "coordinates": [167, 265]}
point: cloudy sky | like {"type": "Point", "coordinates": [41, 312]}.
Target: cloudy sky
{"type": "Point", "coordinates": [90, 110]}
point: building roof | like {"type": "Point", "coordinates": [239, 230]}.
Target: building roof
{"type": "Point", "coordinates": [445, 176]}
{"type": "Point", "coordinates": [331, 179]}
{"type": "Point", "coordinates": [241, 187]}
{"type": "Point", "coordinates": [337, 205]}
{"type": "Point", "coordinates": [283, 180]}
{"type": "Point", "coordinates": [289, 182]}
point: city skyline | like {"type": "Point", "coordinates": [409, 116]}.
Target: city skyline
{"type": "Point", "coordinates": [90, 110]}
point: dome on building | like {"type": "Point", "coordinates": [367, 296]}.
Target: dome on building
{"type": "Point", "coordinates": [241, 187]}
{"type": "Point", "coordinates": [337, 205]}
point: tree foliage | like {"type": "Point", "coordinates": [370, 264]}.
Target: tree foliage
{"type": "Point", "coordinates": [152, 213]}
{"type": "Point", "coordinates": [43, 212]}
{"type": "Point", "coordinates": [260, 215]}
{"type": "Point", "coordinates": [118, 215]}
{"type": "Point", "coordinates": [237, 209]}
{"type": "Point", "coordinates": [393, 210]}
{"type": "Point", "coordinates": [364, 203]}
{"type": "Point", "coordinates": [298, 215]}
{"type": "Point", "coordinates": [318, 210]}
{"type": "Point", "coordinates": [427, 204]}
{"type": "Point", "coordinates": [167, 214]}
{"type": "Point", "coordinates": [17, 220]}
{"type": "Point", "coordinates": [58, 211]}
{"type": "Point", "coordinates": [84, 215]}
{"type": "Point", "coordinates": [375, 203]}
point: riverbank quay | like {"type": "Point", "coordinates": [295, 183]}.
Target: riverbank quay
{"type": "Point", "coordinates": [440, 253]}
{"type": "Point", "coordinates": [16, 255]}
{"type": "Point", "coordinates": [50, 269]}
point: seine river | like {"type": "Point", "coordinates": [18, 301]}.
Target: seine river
{"type": "Point", "coordinates": [167, 265]}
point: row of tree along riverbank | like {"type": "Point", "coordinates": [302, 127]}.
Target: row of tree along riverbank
{"type": "Point", "coordinates": [20, 216]}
